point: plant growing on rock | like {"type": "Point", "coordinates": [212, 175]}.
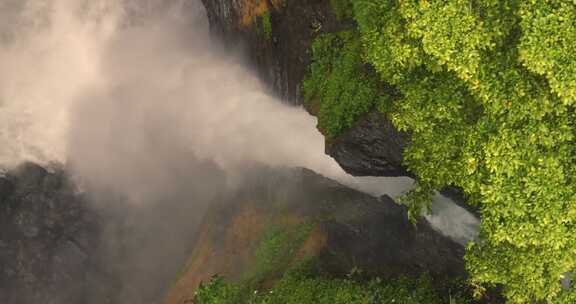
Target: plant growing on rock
{"type": "Point", "coordinates": [302, 285]}
{"type": "Point", "coordinates": [342, 82]}
{"type": "Point", "coordinates": [267, 25]}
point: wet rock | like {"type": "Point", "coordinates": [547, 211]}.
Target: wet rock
{"type": "Point", "coordinates": [351, 230]}
{"type": "Point", "coordinates": [6, 187]}
{"type": "Point", "coordinates": [458, 196]}
{"type": "Point", "coordinates": [39, 213]}
{"type": "Point", "coordinates": [29, 176]}
{"type": "Point", "coordinates": [59, 245]}
{"type": "Point", "coordinates": [371, 147]}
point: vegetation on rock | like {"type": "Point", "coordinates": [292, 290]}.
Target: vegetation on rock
{"type": "Point", "coordinates": [341, 81]}
{"type": "Point", "coordinates": [251, 10]}
{"type": "Point", "coordinates": [277, 249]}
{"type": "Point", "coordinates": [275, 253]}
{"type": "Point", "coordinates": [267, 25]}
{"type": "Point", "coordinates": [487, 91]}
{"type": "Point", "coordinates": [282, 274]}
{"type": "Point", "coordinates": [303, 285]}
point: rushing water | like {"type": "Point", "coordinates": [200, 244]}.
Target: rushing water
{"type": "Point", "coordinates": [123, 90]}
{"type": "Point", "coordinates": [446, 216]}
{"type": "Point", "coordinates": [133, 96]}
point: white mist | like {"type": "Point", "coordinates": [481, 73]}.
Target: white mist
{"type": "Point", "coordinates": [123, 91]}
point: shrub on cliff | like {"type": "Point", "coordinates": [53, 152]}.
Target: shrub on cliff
{"type": "Point", "coordinates": [300, 286]}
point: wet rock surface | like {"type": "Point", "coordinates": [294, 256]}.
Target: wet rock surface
{"type": "Point", "coordinates": [60, 246]}
{"type": "Point", "coordinates": [371, 147]}
{"type": "Point", "coordinates": [282, 56]}
{"type": "Point", "coordinates": [55, 248]}
{"type": "Point", "coordinates": [352, 230]}
{"type": "Point", "coordinates": [47, 236]}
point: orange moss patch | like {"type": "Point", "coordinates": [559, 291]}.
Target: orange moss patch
{"type": "Point", "coordinates": [241, 241]}
{"type": "Point", "coordinates": [229, 249]}
{"type": "Point", "coordinates": [229, 257]}
{"type": "Point", "coordinates": [289, 220]}
{"type": "Point", "coordinates": [248, 224]}
{"type": "Point", "coordinates": [198, 269]}
{"type": "Point", "coordinates": [252, 9]}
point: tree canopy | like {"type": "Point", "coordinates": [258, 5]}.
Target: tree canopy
{"type": "Point", "coordinates": [487, 91]}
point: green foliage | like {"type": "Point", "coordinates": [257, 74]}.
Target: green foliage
{"type": "Point", "coordinates": [301, 285]}
{"type": "Point", "coordinates": [277, 249]}
{"type": "Point", "coordinates": [342, 83]}
{"type": "Point", "coordinates": [217, 291]}
{"type": "Point", "coordinates": [488, 92]}
{"type": "Point", "coordinates": [274, 255]}
{"type": "Point", "coordinates": [266, 24]}
{"type": "Point", "coordinates": [341, 8]}
{"type": "Point", "coordinates": [546, 45]}
{"type": "Point", "coordinates": [419, 200]}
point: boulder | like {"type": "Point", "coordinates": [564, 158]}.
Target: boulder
{"type": "Point", "coordinates": [43, 224]}
{"type": "Point", "coordinates": [349, 231]}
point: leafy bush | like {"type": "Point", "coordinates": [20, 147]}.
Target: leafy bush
{"type": "Point", "coordinates": [341, 8]}
{"type": "Point", "coordinates": [340, 80]}
{"type": "Point", "coordinates": [217, 291]}
{"type": "Point", "coordinates": [277, 249]}
{"type": "Point", "coordinates": [300, 285]}
{"type": "Point", "coordinates": [488, 93]}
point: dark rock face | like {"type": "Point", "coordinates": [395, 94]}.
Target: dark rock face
{"type": "Point", "coordinates": [58, 246]}
{"type": "Point", "coordinates": [46, 238]}
{"type": "Point", "coordinates": [352, 230]}
{"type": "Point", "coordinates": [283, 57]}
{"type": "Point", "coordinates": [371, 234]}
{"type": "Point", "coordinates": [375, 235]}
{"type": "Point", "coordinates": [371, 147]}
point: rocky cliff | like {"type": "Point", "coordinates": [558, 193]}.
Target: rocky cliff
{"type": "Point", "coordinates": [276, 37]}
{"type": "Point", "coordinates": [55, 247]}
{"type": "Point", "coordinates": [59, 245]}
{"type": "Point", "coordinates": [47, 236]}
{"type": "Point", "coordinates": [343, 229]}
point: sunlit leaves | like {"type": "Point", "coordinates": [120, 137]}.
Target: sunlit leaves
{"type": "Point", "coordinates": [547, 44]}
{"type": "Point", "coordinates": [488, 89]}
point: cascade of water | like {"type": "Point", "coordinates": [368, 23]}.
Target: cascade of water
{"type": "Point", "coordinates": [122, 91]}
